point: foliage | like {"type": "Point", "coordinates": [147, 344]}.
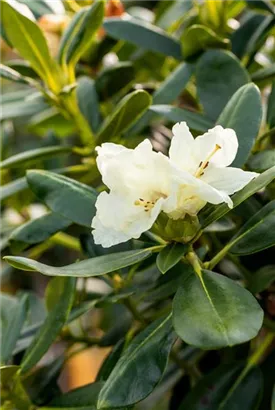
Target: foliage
{"type": "Point", "coordinates": [195, 329]}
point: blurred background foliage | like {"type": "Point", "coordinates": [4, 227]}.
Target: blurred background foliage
{"type": "Point", "coordinates": [79, 73]}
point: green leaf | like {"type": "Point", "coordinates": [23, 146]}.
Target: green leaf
{"type": "Point", "coordinates": [145, 360]}
{"type": "Point", "coordinates": [210, 391]}
{"type": "Point", "coordinates": [37, 230]}
{"type": "Point", "coordinates": [13, 316]}
{"type": "Point", "coordinates": [79, 35]}
{"type": "Point", "coordinates": [213, 312]}
{"type": "Point", "coordinates": [219, 75]}
{"type": "Point", "coordinates": [264, 74]}
{"type": "Point", "coordinates": [128, 111]}
{"type": "Point", "coordinates": [51, 327]}
{"type": "Point", "coordinates": [144, 35]}
{"type": "Point", "coordinates": [264, 5]}
{"type": "Point", "coordinates": [197, 38]}
{"type": "Point", "coordinates": [87, 268]}
{"type": "Point", "coordinates": [243, 114]}
{"type": "Point", "coordinates": [13, 188]}
{"type": "Point", "coordinates": [212, 213]}
{"type": "Point", "coordinates": [262, 160]}
{"type": "Point", "coordinates": [28, 39]}
{"type": "Point", "coordinates": [166, 93]}
{"type": "Point", "coordinates": [23, 108]}
{"type": "Point", "coordinates": [170, 256]}
{"type": "Point", "coordinates": [12, 75]}
{"type": "Point", "coordinates": [33, 155]}
{"type": "Point", "coordinates": [258, 232]}
{"type": "Point", "coordinates": [88, 102]}
{"type": "Point", "coordinates": [51, 120]}
{"type": "Point", "coordinates": [57, 191]}
{"type": "Point", "coordinates": [113, 79]}
{"type": "Point", "coordinates": [262, 279]}
{"type": "Point", "coordinates": [15, 396]}
{"type": "Point", "coordinates": [194, 120]}
{"type": "Point", "coordinates": [270, 118]}
{"type": "Point", "coordinates": [85, 396]}
{"type": "Point", "coordinates": [273, 399]}
{"type": "Point", "coordinates": [110, 361]}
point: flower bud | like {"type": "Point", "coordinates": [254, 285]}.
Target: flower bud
{"type": "Point", "coordinates": [180, 230]}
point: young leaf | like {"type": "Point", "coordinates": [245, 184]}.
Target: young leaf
{"type": "Point", "coordinates": [87, 268]}
{"type": "Point", "coordinates": [258, 232]}
{"type": "Point", "coordinates": [58, 191]}
{"type": "Point", "coordinates": [195, 120]}
{"type": "Point", "coordinates": [29, 41]}
{"type": "Point", "coordinates": [51, 327]}
{"type": "Point", "coordinates": [243, 113]}
{"type": "Point", "coordinates": [145, 360]}
{"type": "Point", "coordinates": [214, 213]}
{"type": "Point", "coordinates": [170, 256]}
{"type": "Point", "coordinates": [127, 112]}
{"type": "Point", "coordinates": [213, 312]}
{"type": "Point", "coordinates": [33, 155]}
{"type": "Point", "coordinates": [219, 75]}
{"type": "Point", "coordinates": [144, 35]}
{"type": "Point", "coordinates": [197, 38]}
{"type": "Point", "coordinates": [79, 35]}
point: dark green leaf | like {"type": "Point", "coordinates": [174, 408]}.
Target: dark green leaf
{"type": "Point", "coordinates": [258, 232]}
{"type": "Point", "coordinates": [33, 155]}
{"type": "Point", "coordinates": [12, 75]}
{"type": "Point", "coordinates": [264, 74]}
{"type": "Point", "coordinates": [87, 268]}
{"type": "Point", "coordinates": [213, 213]}
{"type": "Point", "coordinates": [13, 187]}
{"type": "Point", "coordinates": [170, 256]}
{"type": "Point", "coordinates": [219, 75]}
{"type": "Point", "coordinates": [128, 111]}
{"type": "Point", "coordinates": [262, 160]}
{"type": "Point", "coordinates": [145, 360]}
{"type": "Point", "coordinates": [243, 114]}
{"type": "Point", "coordinates": [51, 327]}
{"type": "Point", "coordinates": [22, 67]}
{"type": "Point", "coordinates": [270, 118]}
{"type": "Point", "coordinates": [194, 120]}
{"type": "Point", "coordinates": [213, 312]}
{"type": "Point", "coordinates": [51, 120]}
{"type": "Point", "coordinates": [28, 39]}
{"type": "Point", "coordinates": [58, 191]}
{"type": "Point", "coordinates": [37, 230]}
{"type": "Point", "coordinates": [88, 102]}
{"type": "Point", "coordinates": [113, 79]}
{"type": "Point", "coordinates": [81, 397]}
{"type": "Point", "coordinates": [273, 399]}
{"type": "Point", "coordinates": [265, 5]}
{"type": "Point", "coordinates": [144, 35]}
{"type": "Point", "coordinates": [197, 38]}
{"type": "Point", "coordinates": [79, 35]}
{"type": "Point", "coordinates": [13, 317]}
{"type": "Point", "coordinates": [262, 279]}
{"type": "Point", "coordinates": [22, 108]}
{"type": "Point", "coordinates": [110, 361]}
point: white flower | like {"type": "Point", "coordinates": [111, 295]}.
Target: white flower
{"type": "Point", "coordinates": [141, 186]}
{"type": "Point", "coordinates": [143, 183]}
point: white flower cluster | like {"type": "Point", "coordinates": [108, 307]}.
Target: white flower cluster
{"type": "Point", "coordinates": [143, 183]}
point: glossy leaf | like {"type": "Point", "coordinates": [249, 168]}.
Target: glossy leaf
{"type": "Point", "coordinates": [144, 35]}
{"type": "Point", "coordinates": [33, 155]}
{"type": "Point", "coordinates": [170, 256]}
{"type": "Point", "coordinates": [113, 79]}
{"type": "Point", "coordinates": [262, 279]}
{"type": "Point", "coordinates": [213, 213]}
{"type": "Point", "coordinates": [28, 39]}
{"type": "Point", "coordinates": [197, 38]}
{"type": "Point", "coordinates": [110, 361]}
{"type": "Point", "coordinates": [87, 268]}
{"type": "Point", "coordinates": [51, 327]}
{"type": "Point", "coordinates": [219, 75]}
{"type": "Point", "coordinates": [213, 312]}
{"type": "Point", "coordinates": [194, 120]}
{"type": "Point", "coordinates": [58, 191]}
{"type": "Point", "coordinates": [145, 359]}
{"type": "Point", "coordinates": [13, 317]}
{"type": "Point", "coordinates": [128, 111]}
{"type": "Point", "coordinates": [88, 102]}
{"type": "Point", "coordinates": [79, 35]}
{"type": "Point", "coordinates": [258, 232]}
{"type": "Point", "coordinates": [243, 114]}
{"type": "Point", "coordinates": [262, 161]}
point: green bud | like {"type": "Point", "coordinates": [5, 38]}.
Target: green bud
{"type": "Point", "coordinates": [180, 230]}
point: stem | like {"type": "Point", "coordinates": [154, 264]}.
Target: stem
{"type": "Point", "coordinates": [218, 257]}
{"type": "Point", "coordinates": [130, 304]}
{"type": "Point", "coordinates": [254, 359]}
{"type": "Point", "coordinates": [66, 240]}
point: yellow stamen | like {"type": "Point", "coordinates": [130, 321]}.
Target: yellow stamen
{"type": "Point", "coordinates": [204, 164]}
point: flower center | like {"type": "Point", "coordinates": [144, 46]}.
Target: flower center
{"type": "Point", "coordinates": [204, 164]}
{"type": "Point", "coordinates": [148, 205]}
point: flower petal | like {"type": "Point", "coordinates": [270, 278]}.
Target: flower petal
{"type": "Point", "coordinates": [180, 151]}
{"type": "Point", "coordinates": [206, 144]}
{"type": "Point", "coordinates": [106, 236]}
{"type": "Point", "coordinates": [228, 180]}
